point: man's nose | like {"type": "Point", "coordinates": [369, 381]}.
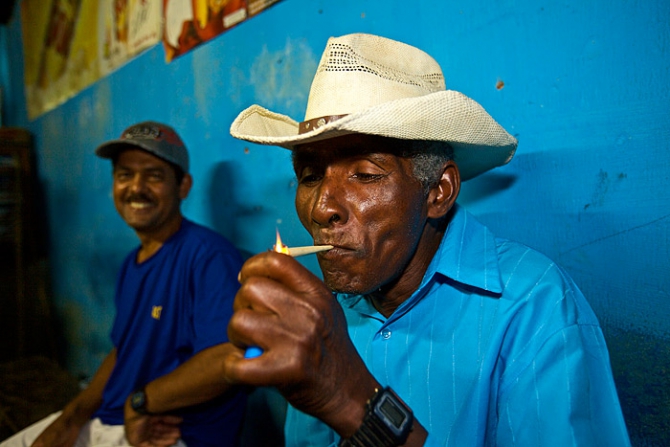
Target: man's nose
{"type": "Point", "coordinates": [328, 208]}
{"type": "Point", "coordinates": [138, 183]}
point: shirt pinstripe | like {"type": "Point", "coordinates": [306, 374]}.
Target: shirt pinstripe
{"type": "Point", "coordinates": [496, 347]}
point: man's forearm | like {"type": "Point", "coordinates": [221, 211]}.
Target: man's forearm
{"type": "Point", "coordinates": [198, 380]}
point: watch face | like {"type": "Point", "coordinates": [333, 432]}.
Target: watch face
{"type": "Point", "coordinates": [392, 411]}
{"type": "Point", "coordinates": [138, 400]}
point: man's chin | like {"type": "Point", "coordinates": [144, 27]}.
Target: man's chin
{"type": "Point", "coordinates": [346, 285]}
{"type": "Point", "coordinates": [140, 226]}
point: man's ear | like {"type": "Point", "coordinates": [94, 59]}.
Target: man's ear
{"type": "Point", "coordinates": [185, 186]}
{"type": "Point", "coordinates": [442, 196]}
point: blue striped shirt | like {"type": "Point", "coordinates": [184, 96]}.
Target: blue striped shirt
{"type": "Point", "coordinates": [496, 347]}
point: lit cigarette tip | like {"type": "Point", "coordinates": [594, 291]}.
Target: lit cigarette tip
{"type": "Point", "coordinates": [308, 250]}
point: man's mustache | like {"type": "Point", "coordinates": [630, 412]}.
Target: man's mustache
{"type": "Point", "coordinates": [139, 198]}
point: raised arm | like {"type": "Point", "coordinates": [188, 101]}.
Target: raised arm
{"type": "Point", "coordinates": [308, 354]}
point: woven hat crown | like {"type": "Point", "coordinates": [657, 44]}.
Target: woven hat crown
{"type": "Point", "coordinates": [360, 71]}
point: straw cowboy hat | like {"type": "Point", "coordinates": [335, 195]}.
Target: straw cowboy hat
{"type": "Point", "coordinates": [372, 85]}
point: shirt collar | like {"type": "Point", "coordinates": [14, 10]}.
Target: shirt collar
{"type": "Point", "coordinates": [467, 254]}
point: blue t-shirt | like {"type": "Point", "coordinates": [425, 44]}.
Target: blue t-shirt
{"type": "Point", "coordinates": [170, 307]}
{"type": "Point", "coordinates": [497, 347]}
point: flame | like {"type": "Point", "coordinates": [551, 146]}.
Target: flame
{"type": "Point", "coordinates": [279, 247]}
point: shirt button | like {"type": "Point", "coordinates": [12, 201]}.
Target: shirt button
{"type": "Point", "coordinates": [386, 334]}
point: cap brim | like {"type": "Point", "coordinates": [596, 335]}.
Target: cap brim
{"type": "Point", "coordinates": [111, 148]}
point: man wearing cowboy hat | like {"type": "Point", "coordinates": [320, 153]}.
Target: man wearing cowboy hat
{"type": "Point", "coordinates": [426, 329]}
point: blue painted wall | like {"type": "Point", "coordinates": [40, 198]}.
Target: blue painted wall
{"type": "Point", "coordinates": [585, 91]}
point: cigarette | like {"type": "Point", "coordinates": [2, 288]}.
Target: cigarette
{"type": "Point", "coordinates": [308, 250]}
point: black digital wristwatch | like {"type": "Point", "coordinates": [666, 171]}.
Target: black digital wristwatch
{"type": "Point", "coordinates": [387, 422]}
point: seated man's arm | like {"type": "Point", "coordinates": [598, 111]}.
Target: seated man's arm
{"type": "Point", "coordinates": [65, 429]}
{"type": "Point", "coordinates": [196, 381]}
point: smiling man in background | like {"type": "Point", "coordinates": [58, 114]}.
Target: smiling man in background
{"type": "Point", "coordinates": [160, 384]}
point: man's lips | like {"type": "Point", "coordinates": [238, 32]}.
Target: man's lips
{"type": "Point", "coordinates": [342, 243]}
{"type": "Point", "coordinates": [326, 242]}
{"type": "Point", "coordinates": [339, 241]}
{"type": "Point", "coordinates": [338, 249]}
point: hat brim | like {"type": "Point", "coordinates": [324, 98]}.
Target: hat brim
{"type": "Point", "coordinates": [111, 149]}
{"type": "Point", "coordinates": [479, 142]}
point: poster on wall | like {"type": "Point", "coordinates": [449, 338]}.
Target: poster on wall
{"type": "Point", "coordinates": [125, 28]}
{"type": "Point", "coordinates": [69, 44]}
{"type": "Point", "coordinates": [189, 23]}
